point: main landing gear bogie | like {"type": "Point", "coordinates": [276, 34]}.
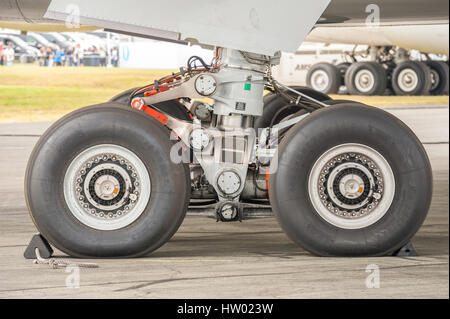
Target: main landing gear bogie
{"type": "Point", "coordinates": [343, 179]}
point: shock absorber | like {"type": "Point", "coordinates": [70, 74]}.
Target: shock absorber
{"type": "Point", "coordinates": [226, 147]}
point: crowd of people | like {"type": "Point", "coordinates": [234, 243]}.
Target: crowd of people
{"type": "Point", "coordinates": [76, 56]}
{"type": "Point", "coordinates": [7, 54]}
{"type": "Point", "coordinates": [69, 56]}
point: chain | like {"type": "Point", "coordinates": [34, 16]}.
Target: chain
{"type": "Point", "coordinates": [56, 264]}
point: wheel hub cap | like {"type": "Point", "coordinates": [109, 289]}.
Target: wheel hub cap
{"type": "Point", "coordinates": [364, 81]}
{"type": "Point", "coordinates": [348, 186]}
{"type": "Point", "coordinates": [351, 186]}
{"type": "Point", "coordinates": [349, 182]}
{"type": "Point", "coordinates": [319, 80]}
{"type": "Point", "coordinates": [107, 187]}
{"type": "Point", "coordinates": [408, 80]}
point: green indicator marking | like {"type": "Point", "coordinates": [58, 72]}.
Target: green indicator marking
{"type": "Point", "coordinates": [248, 86]}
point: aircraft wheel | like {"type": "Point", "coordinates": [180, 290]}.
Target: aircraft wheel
{"type": "Point", "coordinates": [350, 180]}
{"type": "Point", "coordinates": [324, 77]}
{"type": "Point", "coordinates": [439, 77]}
{"type": "Point", "coordinates": [100, 183]}
{"type": "Point", "coordinates": [366, 78]}
{"type": "Point", "coordinates": [411, 78]}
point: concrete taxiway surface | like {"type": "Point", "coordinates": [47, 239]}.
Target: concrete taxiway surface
{"type": "Point", "coordinates": [252, 259]}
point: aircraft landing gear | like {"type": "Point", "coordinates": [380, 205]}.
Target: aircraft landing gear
{"type": "Point", "coordinates": [115, 180]}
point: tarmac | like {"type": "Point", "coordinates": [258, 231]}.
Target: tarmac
{"type": "Point", "coordinates": [252, 259]}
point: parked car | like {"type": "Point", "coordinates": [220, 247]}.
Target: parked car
{"type": "Point", "coordinates": [55, 38]}
{"type": "Point", "coordinates": [86, 41]}
{"type": "Point", "coordinates": [32, 39]}
{"type": "Point", "coordinates": [36, 40]}
{"type": "Point", "coordinates": [24, 53]}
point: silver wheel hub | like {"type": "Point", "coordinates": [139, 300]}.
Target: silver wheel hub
{"type": "Point", "coordinates": [408, 80]}
{"type": "Point", "coordinates": [364, 81]}
{"type": "Point", "coordinates": [107, 187]}
{"type": "Point", "coordinates": [107, 184]}
{"type": "Point", "coordinates": [320, 80]}
{"type": "Point", "coordinates": [351, 186]}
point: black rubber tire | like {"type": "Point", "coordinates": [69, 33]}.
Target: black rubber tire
{"type": "Point", "coordinates": [123, 97]}
{"type": "Point", "coordinates": [378, 73]}
{"type": "Point", "coordinates": [109, 123]}
{"type": "Point", "coordinates": [273, 103]}
{"type": "Point", "coordinates": [333, 74]}
{"type": "Point", "coordinates": [424, 78]}
{"type": "Point", "coordinates": [351, 123]}
{"type": "Point", "coordinates": [442, 70]}
{"type": "Point", "coordinates": [337, 102]}
{"type": "Point", "coordinates": [343, 67]}
{"type": "Point", "coordinates": [268, 97]}
{"type": "Point", "coordinates": [172, 107]}
{"type": "Point", "coordinates": [329, 103]}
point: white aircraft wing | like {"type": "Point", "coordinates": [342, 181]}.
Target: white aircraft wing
{"type": "Point", "coordinates": [259, 26]}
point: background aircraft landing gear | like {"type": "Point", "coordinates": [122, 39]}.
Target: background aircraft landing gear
{"type": "Point", "coordinates": [100, 183]}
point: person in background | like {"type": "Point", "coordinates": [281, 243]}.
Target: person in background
{"type": "Point", "coordinates": [80, 56]}
{"type": "Point", "coordinates": [50, 56]}
{"type": "Point", "coordinates": [77, 55]}
{"type": "Point", "coordinates": [69, 55]}
{"type": "Point", "coordinates": [115, 57]}
{"type": "Point", "coordinates": [42, 52]}
{"type": "Point", "coordinates": [45, 55]}
{"type": "Point", "coordinates": [102, 55]}
{"type": "Point", "coordinates": [8, 55]}
{"type": "Point", "coordinates": [59, 57]}
{"type": "Point", "coordinates": [1, 53]}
